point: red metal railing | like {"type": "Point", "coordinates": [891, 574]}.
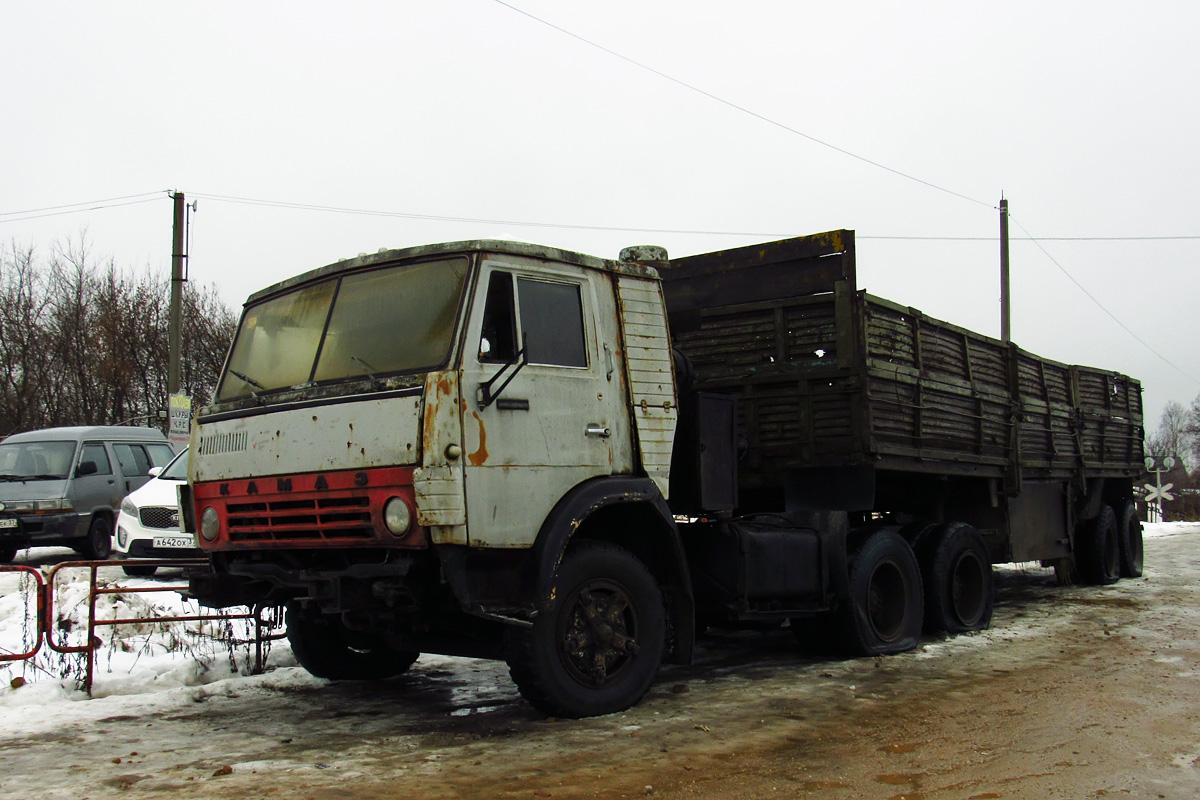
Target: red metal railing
{"type": "Point", "coordinates": [46, 613]}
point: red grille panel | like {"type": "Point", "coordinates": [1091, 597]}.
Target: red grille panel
{"type": "Point", "coordinates": [318, 509]}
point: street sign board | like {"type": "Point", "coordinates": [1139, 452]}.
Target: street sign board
{"type": "Point", "coordinates": [180, 429]}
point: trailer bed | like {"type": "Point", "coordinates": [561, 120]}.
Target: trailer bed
{"type": "Point", "coordinates": [828, 376]}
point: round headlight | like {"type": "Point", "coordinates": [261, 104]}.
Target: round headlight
{"type": "Point", "coordinates": [396, 516]}
{"type": "Point", "coordinates": [210, 523]}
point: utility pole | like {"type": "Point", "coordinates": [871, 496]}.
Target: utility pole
{"type": "Point", "coordinates": [174, 337]}
{"type": "Point", "coordinates": [1005, 311]}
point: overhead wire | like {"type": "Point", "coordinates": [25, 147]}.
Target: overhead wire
{"type": "Point", "coordinates": [1101, 306]}
{"type": "Point", "coordinates": [624, 229]}
{"type": "Point", "coordinates": [743, 109]}
{"type": "Point", "coordinates": [845, 152]}
{"type": "Point", "coordinates": [91, 205]}
{"type": "Point", "coordinates": [76, 208]}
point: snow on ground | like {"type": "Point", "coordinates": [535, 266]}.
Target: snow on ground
{"type": "Point", "coordinates": [156, 666]}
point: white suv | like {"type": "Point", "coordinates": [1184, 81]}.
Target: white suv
{"type": "Point", "coordinates": [148, 525]}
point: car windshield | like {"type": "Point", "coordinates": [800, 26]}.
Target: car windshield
{"type": "Point", "coordinates": [384, 321]}
{"type": "Point", "coordinates": [36, 460]}
{"type": "Point", "coordinates": [177, 469]}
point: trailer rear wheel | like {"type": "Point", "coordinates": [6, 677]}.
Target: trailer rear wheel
{"type": "Point", "coordinates": [1129, 539]}
{"type": "Point", "coordinates": [885, 609]}
{"type": "Point", "coordinates": [328, 649]}
{"type": "Point", "coordinates": [957, 574]}
{"type": "Point", "coordinates": [599, 648]}
{"type": "Point", "coordinates": [1098, 556]}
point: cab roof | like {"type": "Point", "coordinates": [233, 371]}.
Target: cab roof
{"type": "Point", "coordinates": [469, 247]}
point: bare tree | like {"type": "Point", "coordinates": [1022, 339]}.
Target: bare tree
{"type": "Point", "coordinates": [82, 342]}
{"type": "Point", "coordinates": [1173, 437]}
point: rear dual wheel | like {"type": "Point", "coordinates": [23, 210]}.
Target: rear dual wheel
{"type": "Point", "coordinates": [957, 572]}
{"type": "Point", "coordinates": [1098, 548]}
{"type": "Point", "coordinates": [885, 608]}
{"type": "Point", "coordinates": [1129, 542]}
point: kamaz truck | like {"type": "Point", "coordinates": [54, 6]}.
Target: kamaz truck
{"type": "Point", "coordinates": [502, 450]}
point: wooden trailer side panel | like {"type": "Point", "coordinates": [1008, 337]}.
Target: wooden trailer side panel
{"type": "Point", "coordinates": [827, 376]}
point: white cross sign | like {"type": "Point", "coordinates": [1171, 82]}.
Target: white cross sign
{"type": "Point", "coordinates": [1159, 494]}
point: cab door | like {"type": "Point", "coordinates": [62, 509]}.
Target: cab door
{"type": "Point", "coordinates": [543, 406]}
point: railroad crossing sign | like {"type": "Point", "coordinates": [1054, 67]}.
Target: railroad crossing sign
{"type": "Point", "coordinates": [1161, 493]}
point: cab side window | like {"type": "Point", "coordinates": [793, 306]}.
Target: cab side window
{"type": "Point", "coordinates": [98, 456]}
{"type": "Point", "coordinates": [552, 322]}
{"type": "Point", "coordinates": [498, 340]}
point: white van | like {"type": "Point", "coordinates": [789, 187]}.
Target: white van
{"type": "Point", "coordinates": [63, 486]}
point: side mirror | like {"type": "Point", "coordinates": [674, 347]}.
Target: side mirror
{"type": "Point", "coordinates": [154, 472]}
{"type": "Point", "coordinates": [86, 468]}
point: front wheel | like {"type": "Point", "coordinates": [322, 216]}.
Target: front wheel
{"type": "Point", "coordinates": [99, 540]}
{"type": "Point", "coordinates": [328, 649]}
{"type": "Point", "coordinates": [884, 612]}
{"type": "Point", "coordinates": [597, 650]}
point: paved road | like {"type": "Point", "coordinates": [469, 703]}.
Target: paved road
{"type": "Point", "coordinates": [1073, 693]}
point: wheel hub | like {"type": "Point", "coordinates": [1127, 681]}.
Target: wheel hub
{"type": "Point", "coordinates": [598, 636]}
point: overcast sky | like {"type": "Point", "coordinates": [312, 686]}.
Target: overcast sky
{"type": "Point", "coordinates": [475, 119]}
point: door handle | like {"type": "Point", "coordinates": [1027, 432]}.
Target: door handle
{"type": "Point", "coordinates": [594, 429]}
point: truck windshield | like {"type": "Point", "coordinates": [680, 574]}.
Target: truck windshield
{"type": "Point", "coordinates": [364, 324]}
{"type": "Point", "coordinates": [36, 460]}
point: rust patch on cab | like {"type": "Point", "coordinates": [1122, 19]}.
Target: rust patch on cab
{"type": "Point", "coordinates": [479, 456]}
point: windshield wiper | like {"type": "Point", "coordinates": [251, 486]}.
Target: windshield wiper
{"type": "Point", "coordinates": [249, 382]}
{"type": "Point", "coordinates": [247, 379]}
{"type": "Point", "coordinates": [367, 368]}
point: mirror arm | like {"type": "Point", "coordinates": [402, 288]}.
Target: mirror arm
{"type": "Point", "coordinates": [486, 395]}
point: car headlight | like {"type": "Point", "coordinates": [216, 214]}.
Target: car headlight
{"type": "Point", "coordinates": [128, 507]}
{"type": "Point", "coordinates": [41, 506]}
{"type": "Point", "coordinates": [210, 523]}
{"type": "Point", "coordinates": [397, 516]}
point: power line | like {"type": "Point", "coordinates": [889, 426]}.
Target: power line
{"type": "Point", "coordinates": [76, 208]}
{"type": "Point", "coordinates": [1101, 306]}
{"type": "Point", "coordinates": [743, 109]}
{"type": "Point", "coordinates": [91, 205]}
{"type": "Point", "coordinates": [1184, 238]}
{"type": "Point", "coordinates": [254, 201]}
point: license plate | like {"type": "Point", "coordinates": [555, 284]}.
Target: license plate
{"type": "Point", "coordinates": [174, 541]}
{"type": "Point", "coordinates": [8, 522]}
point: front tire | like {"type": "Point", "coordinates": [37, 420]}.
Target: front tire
{"type": "Point", "coordinates": [140, 572]}
{"type": "Point", "coordinates": [885, 610]}
{"type": "Point", "coordinates": [328, 649]}
{"type": "Point", "coordinates": [598, 649]}
{"type": "Point", "coordinates": [98, 546]}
